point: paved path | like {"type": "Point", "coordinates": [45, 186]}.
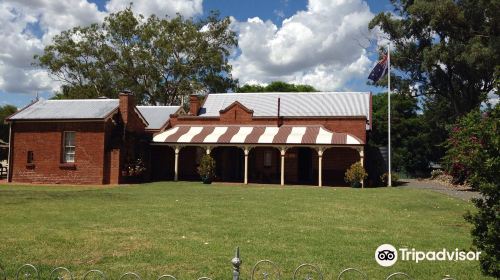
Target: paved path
{"type": "Point", "coordinates": [427, 184]}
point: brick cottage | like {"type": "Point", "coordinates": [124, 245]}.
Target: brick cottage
{"type": "Point", "coordinates": [282, 138]}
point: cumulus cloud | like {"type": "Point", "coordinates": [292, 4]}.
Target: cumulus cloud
{"type": "Point", "coordinates": [27, 26]}
{"type": "Point", "coordinates": [161, 8]}
{"type": "Point", "coordinates": [20, 43]}
{"type": "Point", "coordinates": [324, 46]}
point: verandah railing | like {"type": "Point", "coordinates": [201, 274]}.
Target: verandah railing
{"type": "Point", "coordinates": [262, 270]}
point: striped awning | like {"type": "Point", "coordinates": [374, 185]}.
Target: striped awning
{"type": "Point", "coordinates": [313, 134]}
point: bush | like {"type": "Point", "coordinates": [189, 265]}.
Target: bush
{"type": "Point", "coordinates": [473, 156]}
{"type": "Point", "coordinates": [355, 174]}
{"type": "Point", "coordinates": [436, 173]}
{"type": "Point", "coordinates": [207, 169]}
{"type": "Point", "coordinates": [472, 148]}
{"type": "Point", "coordinates": [135, 167]}
{"type": "Point", "coordinates": [385, 179]}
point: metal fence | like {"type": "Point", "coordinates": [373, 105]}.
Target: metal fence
{"type": "Point", "coordinates": [262, 270]}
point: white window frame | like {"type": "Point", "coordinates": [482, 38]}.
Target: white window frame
{"type": "Point", "coordinates": [68, 149]}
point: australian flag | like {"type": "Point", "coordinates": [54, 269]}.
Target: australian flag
{"type": "Point", "coordinates": [379, 70]}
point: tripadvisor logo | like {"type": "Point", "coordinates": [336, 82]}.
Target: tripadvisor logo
{"type": "Point", "coordinates": [386, 255]}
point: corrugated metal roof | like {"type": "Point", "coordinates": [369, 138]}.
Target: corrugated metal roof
{"type": "Point", "coordinates": [67, 109]}
{"type": "Point", "coordinates": [157, 116]}
{"type": "Point", "coordinates": [293, 104]}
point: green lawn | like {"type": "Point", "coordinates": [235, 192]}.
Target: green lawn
{"type": "Point", "coordinates": [190, 230]}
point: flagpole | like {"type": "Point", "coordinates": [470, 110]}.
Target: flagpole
{"type": "Point", "coordinates": [389, 175]}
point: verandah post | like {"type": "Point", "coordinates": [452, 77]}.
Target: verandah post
{"type": "Point", "coordinates": [362, 160]}
{"type": "Point", "coordinates": [283, 152]}
{"type": "Point", "coordinates": [246, 151]}
{"type": "Point", "coordinates": [176, 163]}
{"type": "Point", "coordinates": [320, 167]}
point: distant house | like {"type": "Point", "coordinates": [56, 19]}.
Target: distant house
{"type": "Point", "coordinates": [283, 138]}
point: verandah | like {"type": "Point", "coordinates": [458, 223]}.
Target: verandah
{"type": "Point", "coordinates": [283, 164]}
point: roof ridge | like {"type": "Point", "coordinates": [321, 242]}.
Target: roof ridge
{"type": "Point", "coordinates": [290, 92]}
{"type": "Point", "coordinates": [157, 106]}
{"type": "Point", "coordinates": [79, 100]}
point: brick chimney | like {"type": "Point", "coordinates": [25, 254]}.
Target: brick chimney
{"type": "Point", "coordinates": [194, 105]}
{"type": "Point", "coordinates": [127, 105]}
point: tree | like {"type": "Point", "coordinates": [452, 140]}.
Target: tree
{"type": "Point", "coordinates": [5, 111]}
{"type": "Point", "coordinates": [445, 49]}
{"type": "Point", "coordinates": [409, 132]}
{"type": "Point", "coordinates": [160, 60]}
{"type": "Point", "coordinates": [276, 86]}
{"type": "Point", "coordinates": [473, 155]}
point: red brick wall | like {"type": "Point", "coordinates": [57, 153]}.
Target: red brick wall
{"type": "Point", "coordinates": [336, 161]}
{"type": "Point", "coordinates": [115, 166]}
{"type": "Point", "coordinates": [236, 114]}
{"type": "Point", "coordinates": [45, 140]}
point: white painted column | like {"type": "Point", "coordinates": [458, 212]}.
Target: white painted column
{"type": "Point", "coordinates": [362, 160]}
{"type": "Point", "coordinates": [246, 151]}
{"type": "Point", "coordinates": [176, 164]}
{"type": "Point", "coordinates": [283, 152]}
{"type": "Point", "coordinates": [208, 150]}
{"type": "Point", "coordinates": [320, 167]}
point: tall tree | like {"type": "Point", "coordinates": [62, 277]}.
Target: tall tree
{"type": "Point", "coordinates": [410, 133]}
{"type": "Point", "coordinates": [5, 111]}
{"type": "Point", "coordinates": [448, 49]}
{"type": "Point", "coordinates": [276, 86]}
{"type": "Point", "coordinates": [160, 60]}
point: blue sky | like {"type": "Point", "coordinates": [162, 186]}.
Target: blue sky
{"type": "Point", "coordinates": [324, 43]}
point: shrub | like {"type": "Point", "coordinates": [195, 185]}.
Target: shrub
{"type": "Point", "coordinates": [472, 148]}
{"type": "Point", "coordinates": [207, 168]}
{"type": "Point", "coordinates": [436, 173]}
{"type": "Point", "coordinates": [135, 167]}
{"type": "Point", "coordinates": [385, 179]}
{"type": "Point", "coordinates": [355, 174]}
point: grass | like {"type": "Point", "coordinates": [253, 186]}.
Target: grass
{"type": "Point", "coordinates": [191, 230]}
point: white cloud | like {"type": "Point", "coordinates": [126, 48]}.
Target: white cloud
{"type": "Point", "coordinates": [323, 46]}
{"type": "Point", "coordinates": [20, 43]}
{"type": "Point", "coordinates": [160, 8]}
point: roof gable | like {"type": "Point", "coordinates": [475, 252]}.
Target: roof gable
{"type": "Point", "coordinates": [238, 105]}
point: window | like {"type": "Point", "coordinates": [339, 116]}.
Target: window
{"type": "Point", "coordinates": [69, 147]}
{"type": "Point", "coordinates": [268, 156]}
{"type": "Point", "coordinates": [29, 159]}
